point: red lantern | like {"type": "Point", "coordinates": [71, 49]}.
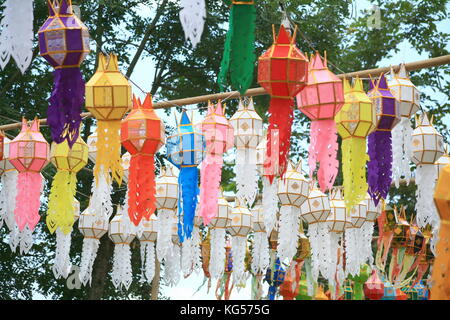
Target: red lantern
{"type": "Point", "coordinates": [142, 134]}
{"type": "Point", "coordinates": [282, 72]}
{"type": "Point", "coordinates": [320, 100]}
{"type": "Point", "coordinates": [374, 287]}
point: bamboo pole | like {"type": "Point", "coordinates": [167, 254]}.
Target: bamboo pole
{"type": "Point", "coordinates": [416, 65]}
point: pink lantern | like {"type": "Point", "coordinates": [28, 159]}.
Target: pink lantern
{"type": "Point", "coordinates": [219, 136]}
{"type": "Point", "coordinates": [320, 100]}
{"type": "Point", "coordinates": [29, 153]}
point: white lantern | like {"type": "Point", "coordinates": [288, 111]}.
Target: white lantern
{"type": "Point", "coordinates": [406, 93]}
{"type": "Point", "coordinates": [93, 227]}
{"type": "Point", "coordinates": [338, 220]}
{"type": "Point", "coordinates": [442, 162]}
{"type": "Point", "coordinates": [247, 126]}
{"type": "Point", "coordinates": [92, 144]}
{"type": "Point", "coordinates": [293, 190]}
{"type": "Point", "coordinates": [358, 214]}
{"type": "Point", "coordinates": [316, 208]}
{"type": "Point", "coordinates": [147, 233]}
{"type": "Point", "coordinates": [258, 219]}
{"type": "Point", "coordinates": [260, 249]}
{"type": "Point", "coordinates": [167, 189]}
{"type": "Point", "coordinates": [427, 143]}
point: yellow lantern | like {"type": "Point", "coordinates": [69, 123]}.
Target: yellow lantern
{"type": "Point", "coordinates": [61, 204]}
{"type": "Point", "coordinates": [355, 121]}
{"type": "Point", "coordinates": [108, 98]}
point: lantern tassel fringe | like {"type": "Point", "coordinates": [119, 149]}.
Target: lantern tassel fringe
{"type": "Point", "coordinates": [29, 186]}
{"type": "Point", "coordinates": [217, 260]}
{"type": "Point", "coordinates": [260, 253]}
{"type": "Point", "coordinates": [379, 167]}
{"type": "Point", "coordinates": [187, 200]}
{"type": "Point", "coordinates": [246, 177]}
{"type": "Point", "coordinates": [164, 242]}
{"type": "Point", "coordinates": [288, 233]}
{"type": "Point", "coordinates": [401, 151]}
{"type": "Point", "coordinates": [211, 174]}
{"type": "Point", "coordinates": [192, 17]}
{"type": "Point", "coordinates": [270, 204]}
{"type": "Point", "coordinates": [147, 261]}
{"type": "Point", "coordinates": [121, 272]}
{"type": "Point", "coordinates": [173, 267]}
{"type": "Point", "coordinates": [62, 265]}
{"type": "Point", "coordinates": [101, 196]}
{"type": "Point", "coordinates": [88, 255]}
{"type": "Point", "coordinates": [238, 248]}
{"type": "Point", "coordinates": [108, 150]}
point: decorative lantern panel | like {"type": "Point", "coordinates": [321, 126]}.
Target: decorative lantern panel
{"type": "Point", "coordinates": [406, 93]}
{"type": "Point", "coordinates": [248, 126]}
{"type": "Point", "coordinates": [218, 131]}
{"type": "Point", "coordinates": [374, 287]}
{"type": "Point", "coordinates": [294, 188]}
{"type": "Point", "coordinates": [373, 211]}
{"type": "Point", "coordinates": [92, 144]}
{"type": "Point", "coordinates": [401, 229]}
{"type": "Point", "coordinates": [72, 159]}
{"type": "Point", "coordinates": [91, 226]}
{"type": "Point", "coordinates": [358, 214]}
{"type": "Point", "coordinates": [442, 162]}
{"type": "Point", "coordinates": [148, 229]}
{"type": "Point", "coordinates": [316, 208]}
{"type": "Point", "coordinates": [223, 218]}
{"type": "Point", "coordinates": [241, 222]}
{"type": "Point", "coordinates": [5, 165]}
{"type": "Point", "coordinates": [258, 219]}
{"type": "Point", "coordinates": [427, 143]}
{"type": "Point", "coordinates": [338, 220]}
{"type": "Point", "coordinates": [167, 189]}
{"type": "Point", "coordinates": [120, 231]}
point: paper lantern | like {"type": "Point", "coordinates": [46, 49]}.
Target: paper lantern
{"type": "Point", "coordinates": [320, 100]}
{"type": "Point", "coordinates": [316, 208]}
{"type": "Point", "coordinates": [269, 191]}
{"type": "Point", "coordinates": [247, 126]}
{"type": "Point", "coordinates": [380, 141]}
{"type": "Point", "coordinates": [427, 148]}
{"type": "Point", "coordinates": [358, 214]}
{"type": "Point", "coordinates": [218, 226]}
{"type": "Point", "coordinates": [355, 121]}
{"type": "Point", "coordinates": [239, 227]}
{"type": "Point", "coordinates": [219, 138]}
{"type": "Point", "coordinates": [142, 135]}
{"type": "Point", "coordinates": [166, 189]}
{"type": "Point", "coordinates": [390, 292]}
{"type": "Point", "coordinates": [339, 219]}
{"type": "Point", "coordinates": [186, 150]}
{"type": "Point", "coordinates": [61, 203]}
{"type": "Point", "coordinates": [282, 72]}
{"type": "Point", "coordinates": [121, 232]}
{"type": "Point", "coordinates": [374, 287]}
{"type": "Point", "coordinates": [64, 43]}
{"type": "Point", "coordinates": [108, 98]}
{"type": "Point", "coordinates": [260, 248]}
{"type": "Point", "coordinates": [92, 226]}
{"type": "Point", "coordinates": [147, 233]}
{"type": "Point", "coordinates": [293, 191]}
{"type": "Point", "coordinates": [29, 154]}
{"type": "Point", "coordinates": [408, 99]}
{"type": "Point", "coordinates": [274, 277]}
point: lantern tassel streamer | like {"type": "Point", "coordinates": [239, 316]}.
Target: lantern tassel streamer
{"type": "Point", "coordinates": [141, 188]}
{"type": "Point", "coordinates": [8, 198]}
{"type": "Point", "coordinates": [187, 257]}
{"type": "Point", "coordinates": [320, 250]}
{"type": "Point", "coordinates": [61, 202]}
{"type": "Point", "coordinates": [211, 174]}
{"type": "Point", "coordinates": [164, 242]}
{"type": "Point", "coordinates": [173, 267]}
{"type": "Point", "coordinates": [88, 255]}
{"type": "Point", "coordinates": [187, 200]}
{"type": "Point", "coordinates": [217, 260]}
{"type": "Point", "coordinates": [62, 265]}
{"type": "Point", "coordinates": [239, 56]}
{"type": "Point", "coordinates": [121, 272]}
{"type": "Point", "coordinates": [278, 137]}
{"type": "Point", "coordinates": [270, 204]}
{"type": "Point", "coordinates": [238, 247]}
{"type": "Point", "coordinates": [288, 233]}
{"type": "Point", "coordinates": [147, 261]}
{"type": "Point", "coordinates": [192, 17]}
{"type": "Point", "coordinates": [66, 101]}
{"type": "Point", "coordinates": [28, 199]}
{"type": "Point", "coordinates": [101, 196]}
{"type": "Point", "coordinates": [354, 160]}
{"type": "Point", "coordinates": [246, 177]}
{"type": "Point", "coordinates": [401, 151]}
{"type": "Point", "coordinates": [260, 255]}
{"type": "Point", "coordinates": [323, 150]}
{"type": "Point", "coordinates": [380, 165]}
{"type": "Point", "coordinates": [108, 150]}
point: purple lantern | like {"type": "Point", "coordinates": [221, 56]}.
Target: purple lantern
{"type": "Point", "coordinates": [380, 141]}
{"type": "Point", "coordinates": [64, 43]}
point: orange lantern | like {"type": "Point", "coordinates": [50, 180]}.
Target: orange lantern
{"type": "Point", "coordinates": [282, 72]}
{"type": "Point", "coordinates": [142, 134]}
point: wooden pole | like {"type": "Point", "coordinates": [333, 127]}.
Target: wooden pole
{"type": "Point", "coordinates": [417, 65]}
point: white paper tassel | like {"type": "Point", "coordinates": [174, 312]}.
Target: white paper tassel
{"type": "Point", "coordinates": [147, 261]}
{"type": "Point", "coordinates": [320, 240]}
{"type": "Point", "coordinates": [172, 267]}
{"type": "Point", "coordinates": [164, 244]}
{"type": "Point", "coordinates": [88, 255]}
{"type": "Point", "coordinates": [101, 196]}
{"type": "Point", "coordinates": [121, 273]}
{"type": "Point", "coordinates": [16, 37]}
{"type": "Point", "coordinates": [238, 248]}
{"type": "Point", "coordinates": [62, 265]}
{"type": "Point", "coordinates": [187, 257]}
{"type": "Point", "coordinates": [353, 251]}
{"type": "Point", "coordinates": [246, 177]}
{"type": "Point", "coordinates": [288, 233]}
{"type": "Point", "coordinates": [260, 253]}
{"type": "Point", "coordinates": [217, 260]}
{"type": "Point", "coordinates": [270, 204]}
{"type": "Point", "coordinates": [192, 17]}
{"type": "Point", "coordinates": [366, 234]}
{"type": "Point", "coordinates": [401, 151]}
{"type": "Point", "coordinates": [197, 250]}
{"type": "Point", "coordinates": [331, 269]}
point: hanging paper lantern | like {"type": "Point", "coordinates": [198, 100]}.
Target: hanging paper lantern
{"type": "Point", "coordinates": [186, 149]}
{"type": "Point", "coordinates": [408, 99]}
{"type": "Point", "coordinates": [239, 227]}
{"type": "Point", "coordinates": [142, 134]}
{"type": "Point", "coordinates": [147, 233]}
{"type": "Point", "coordinates": [121, 232]}
{"type": "Point", "coordinates": [282, 72]}
{"type": "Point", "coordinates": [269, 192]}
{"type": "Point", "coordinates": [92, 226]}
{"type": "Point", "coordinates": [218, 226]}
{"type": "Point", "coordinates": [64, 43]}
{"type": "Point", "coordinates": [427, 148]}
{"type": "Point", "coordinates": [315, 211]}
{"type": "Point", "coordinates": [380, 142]}
{"type": "Point", "coordinates": [355, 121]}
{"type": "Point", "coordinates": [62, 265]}
{"type": "Point", "coordinates": [192, 17]}
{"type": "Point", "coordinates": [293, 190]}
{"type": "Point", "coordinates": [16, 37]}
{"type": "Point", "coordinates": [166, 202]}
{"type": "Point", "coordinates": [238, 59]}
{"type": "Point", "coordinates": [440, 288]}
{"type": "Point", "coordinates": [29, 154]}
{"type": "Point", "coordinates": [92, 144]}
{"type": "Point", "coordinates": [108, 98]}
{"type": "Point", "coordinates": [442, 162]}
{"type": "Point", "coordinates": [260, 249]}
{"type": "Point", "coordinates": [374, 287]}
{"type": "Point", "coordinates": [390, 292]}
{"type": "Point", "coordinates": [219, 138]}
{"type": "Point", "coordinates": [274, 277]}
{"type": "Point", "coordinates": [61, 203]}
{"type": "Point", "coordinates": [247, 126]}
{"type": "Point", "coordinates": [320, 100]}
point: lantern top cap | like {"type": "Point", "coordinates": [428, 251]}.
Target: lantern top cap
{"type": "Point", "coordinates": [423, 120]}
{"type": "Point", "coordinates": [108, 62]}
{"type": "Point", "coordinates": [147, 104]}
{"type": "Point", "coordinates": [317, 63]}
{"type": "Point", "coordinates": [357, 84]}
{"type": "Point", "coordinates": [380, 83]}
{"type": "Point", "coordinates": [58, 7]}
{"type": "Point", "coordinates": [284, 36]}
{"type": "Point", "coordinates": [185, 118]}
{"type": "Point", "coordinates": [401, 73]}
{"type": "Point", "coordinates": [34, 126]}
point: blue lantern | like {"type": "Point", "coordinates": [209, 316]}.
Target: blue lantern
{"type": "Point", "coordinates": [275, 279]}
{"type": "Point", "coordinates": [389, 291]}
{"type": "Point", "coordinates": [186, 149]}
